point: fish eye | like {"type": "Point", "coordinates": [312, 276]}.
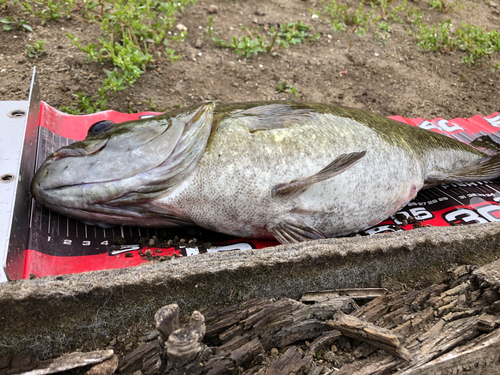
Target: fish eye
{"type": "Point", "coordinates": [100, 126]}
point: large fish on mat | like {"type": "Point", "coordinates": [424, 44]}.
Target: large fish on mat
{"type": "Point", "coordinates": [285, 170]}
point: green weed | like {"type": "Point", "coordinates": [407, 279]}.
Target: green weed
{"type": "Point", "coordinates": [152, 104]}
{"type": "Point", "coordinates": [285, 87]}
{"type": "Point", "coordinates": [381, 37]}
{"type": "Point", "coordinates": [260, 41]}
{"type": "Point", "coordinates": [392, 15]}
{"type": "Point", "coordinates": [384, 26]}
{"type": "Point", "coordinates": [475, 41]}
{"type": "Point", "coordinates": [245, 45]}
{"type": "Point", "coordinates": [36, 48]}
{"type": "Point", "coordinates": [137, 35]}
{"type": "Point", "coordinates": [9, 23]}
{"type": "Point", "coordinates": [293, 33]}
{"type": "Point", "coordinates": [46, 10]}
{"type": "Point", "coordinates": [86, 104]}
{"type": "Point", "coordinates": [436, 37]}
{"type": "Point", "coordinates": [446, 6]}
{"type": "Point", "coordinates": [343, 16]}
{"type": "Point", "coordinates": [381, 15]}
{"type": "Point", "coordinates": [414, 17]}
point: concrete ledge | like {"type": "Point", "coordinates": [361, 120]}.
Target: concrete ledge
{"type": "Point", "coordinates": [48, 316]}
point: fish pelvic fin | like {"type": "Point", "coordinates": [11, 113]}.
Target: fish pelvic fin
{"type": "Point", "coordinates": [486, 168]}
{"type": "Point", "coordinates": [291, 230]}
{"type": "Point", "coordinates": [336, 167]}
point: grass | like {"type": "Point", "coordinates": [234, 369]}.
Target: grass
{"type": "Point", "coordinates": [285, 87]}
{"type": "Point", "coordinates": [446, 6]}
{"type": "Point", "coordinates": [136, 35]}
{"type": "Point", "coordinates": [343, 16]}
{"type": "Point", "coordinates": [36, 48]}
{"type": "Point", "coordinates": [46, 10]}
{"type": "Point", "coordinates": [9, 23]}
{"type": "Point", "coordinates": [260, 41]}
{"type": "Point", "coordinates": [475, 41]}
{"type": "Point", "coordinates": [376, 15]}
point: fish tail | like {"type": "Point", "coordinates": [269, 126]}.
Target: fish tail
{"type": "Point", "coordinates": [482, 169]}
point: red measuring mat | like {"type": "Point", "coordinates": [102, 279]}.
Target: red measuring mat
{"type": "Point", "coordinates": [60, 245]}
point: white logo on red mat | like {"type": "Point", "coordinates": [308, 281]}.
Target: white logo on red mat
{"type": "Point", "coordinates": [443, 125]}
{"type": "Point", "coordinates": [494, 121]}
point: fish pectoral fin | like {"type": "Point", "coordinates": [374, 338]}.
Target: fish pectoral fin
{"type": "Point", "coordinates": [293, 230]}
{"type": "Point", "coordinates": [336, 167]}
{"type": "Point", "coordinates": [486, 168]}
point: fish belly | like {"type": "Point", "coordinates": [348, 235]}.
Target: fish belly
{"type": "Point", "coordinates": [360, 197]}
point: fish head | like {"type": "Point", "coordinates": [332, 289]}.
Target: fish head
{"type": "Point", "coordinates": [113, 175]}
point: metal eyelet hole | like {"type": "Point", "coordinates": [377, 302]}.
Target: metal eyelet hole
{"type": "Point", "coordinates": [7, 177]}
{"type": "Point", "coordinates": [17, 113]}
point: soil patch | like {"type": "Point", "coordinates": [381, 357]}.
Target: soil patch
{"type": "Point", "coordinates": [395, 78]}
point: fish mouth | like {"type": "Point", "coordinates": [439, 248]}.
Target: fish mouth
{"type": "Point", "coordinates": [53, 197]}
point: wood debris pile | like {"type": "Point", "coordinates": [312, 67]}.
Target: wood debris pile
{"type": "Point", "coordinates": [445, 328]}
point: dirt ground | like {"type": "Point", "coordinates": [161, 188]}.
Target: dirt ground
{"type": "Point", "coordinates": [392, 79]}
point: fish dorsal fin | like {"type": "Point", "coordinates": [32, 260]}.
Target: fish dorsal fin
{"type": "Point", "coordinates": [486, 168]}
{"type": "Point", "coordinates": [336, 167]}
{"type": "Point", "coordinates": [274, 116]}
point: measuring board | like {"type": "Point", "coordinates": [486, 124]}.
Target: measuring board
{"type": "Point", "coordinates": [40, 242]}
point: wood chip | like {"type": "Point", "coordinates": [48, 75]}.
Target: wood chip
{"type": "Point", "coordinates": [489, 273]}
{"type": "Point", "coordinates": [246, 352]}
{"type": "Point", "coordinates": [107, 367]}
{"type": "Point", "coordinates": [305, 330]}
{"type": "Point", "coordinates": [359, 329]}
{"type": "Point", "coordinates": [377, 336]}
{"type": "Point", "coordinates": [270, 312]}
{"type": "Point", "coordinates": [447, 338]}
{"type": "Point", "coordinates": [235, 342]}
{"type": "Point", "coordinates": [373, 310]}
{"type": "Point", "coordinates": [223, 363]}
{"type": "Point", "coordinates": [235, 330]}
{"type": "Point", "coordinates": [481, 355]}
{"type": "Point", "coordinates": [183, 347]}
{"type": "Point", "coordinates": [290, 362]}
{"type": "Point", "coordinates": [197, 323]}
{"type": "Point", "coordinates": [355, 293]}
{"type": "Point", "coordinates": [167, 320]}
{"type": "Point", "coordinates": [426, 293]}
{"type": "Point", "coordinates": [227, 320]}
{"type": "Point", "coordinates": [70, 361]}
{"type": "Point", "coordinates": [487, 323]}
{"type": "Point", "coordinates": [133, 361]}
{"type": "Point", "coordinates": [323, 342]}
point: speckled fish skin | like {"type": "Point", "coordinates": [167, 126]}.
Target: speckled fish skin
{"type": "Point", "coordinates": [234, 169]}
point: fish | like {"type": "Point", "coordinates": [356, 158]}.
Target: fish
{"type": "Point", "coordinates": [290, 171]}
